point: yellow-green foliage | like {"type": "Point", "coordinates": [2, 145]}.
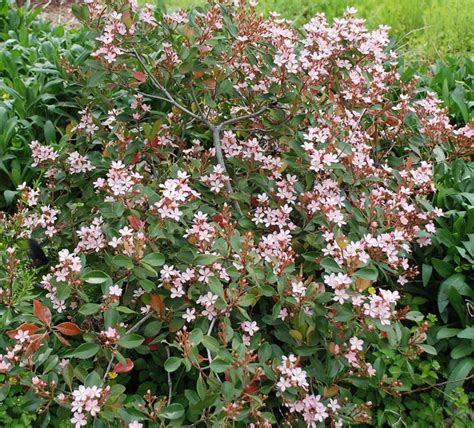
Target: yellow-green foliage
{"type": "Point", "coordinates": [427, 29]}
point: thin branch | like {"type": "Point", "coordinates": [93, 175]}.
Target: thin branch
{"type": "Point", "coordinates": [159, 86]}
{"type": "Point", "coordinates": [245, 117]}
{"type": "Point", "coordinates": [216, 138]}
{"type": "Point", "coordinates": [193, 94]}
{"type": "Point", "coordinates": [436, 385]}
{"type": "Point", "coordinates": [170, 384]}
{"type": "Point", "coordinates": [112, 357]}
{"type": "Point", "coordinates": [209, 356]}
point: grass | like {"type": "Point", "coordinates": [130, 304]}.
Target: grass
{"type": "Point", "coordinates": [426, 29]}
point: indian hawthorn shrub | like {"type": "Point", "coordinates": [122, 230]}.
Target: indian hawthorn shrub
{"type": "Point", "coordinates": [224, 239]}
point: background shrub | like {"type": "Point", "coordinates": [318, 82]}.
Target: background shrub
{"type": "Point", "coordinates": [425, 29]}
{"type": "Point", "coordinates": [35, 102]}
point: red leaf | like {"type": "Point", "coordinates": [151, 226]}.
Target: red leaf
{"type": "Point", "coordinates": [135, 223]}
{"type": "Point", "coordinates": [63, 340]}
{"type": "Point", "coordinates": [68, 329]}
{"type": "Point", "coordinates": [152, 347]}
{"type": "Point", "coordinates": [136, 158]}
{"type": "Point", "coordinates": [156, 303]}
{"type": "Point", "coordinates": [30, 328]}
{"type": "Point", "coordinates": [138, 75]}
{"type": "Point", "coordinates": [41, 312]}
{"type": "Point", "coordinates": [35, 343]}
{"type": "Point", "coordinates": [119, 368]}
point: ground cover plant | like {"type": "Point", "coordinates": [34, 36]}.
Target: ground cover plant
{"type": "Point", "coordinates": [225, 236]}
{"type": "Point", "coordinates": [34, 99]}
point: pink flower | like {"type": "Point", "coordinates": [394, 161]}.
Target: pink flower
{"type": "Point", "coordinates": [356, 344]}
{"type": "Point", "coordinates": [79, 420]}
{"type": "Point", "coordinates": [189, 315]}
{"type": "Point", "coordinates": [250, 327]}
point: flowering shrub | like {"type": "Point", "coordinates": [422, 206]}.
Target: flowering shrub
{"type": "Point", "coordinates": [228, 230]}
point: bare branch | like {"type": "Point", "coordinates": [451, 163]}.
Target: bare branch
{"type": "Point", "coordinates": [209, 356]}
{"type": "Point", "coordinates": [170, 384]}
{"type": "Point", "coordinates": [245, 117]}
{"type": "Point", "coordinates": [216, 138]}
{"type": "Point", "coordinates": [112, 357]}
{"type": "Point", "coordinates": [160, 87]}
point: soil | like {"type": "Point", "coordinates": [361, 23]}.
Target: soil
{"type": "Point", "coordinates": [57, 11]}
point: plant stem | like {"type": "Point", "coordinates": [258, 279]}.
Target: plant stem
{"type": "Point", "coordinates": [130, 330]}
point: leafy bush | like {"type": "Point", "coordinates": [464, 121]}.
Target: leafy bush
{"type": "Point", "coordinates": [448, 265]}
{"type": "Point", "coordinates": [35, 102]}
{"type": "Point", "coordinates": [226, 230]}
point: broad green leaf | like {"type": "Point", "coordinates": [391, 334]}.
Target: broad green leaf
{"type": "Point", "coordinates": [131, 341]}
{"type": "Point", "coordinates": [85, 351]}
{"type": "Point", "coordinates": [172, 364]}
{"type": "Point", "coordinates": [173, 411]}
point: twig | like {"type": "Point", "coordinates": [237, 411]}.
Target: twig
{"type": "Point", "coordinates": [159, 86]}
{"type": "Point", "coordinates": [170, 384]}
{"type": "Point", "coordinates": [426, 388]}
{"type": "Point", "coordinates": [245, 117]}
{"type": "Point", "coordinates": [216, 138]}
{"type": "Point", "coordinates": [130, 330]}
{"type": "Point", "coordinates": [209, 356]}
{"type": "Point", "coordinates": [215, 129]}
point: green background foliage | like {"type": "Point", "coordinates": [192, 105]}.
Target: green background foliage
{"type": "Point", "coordinates": [426, 29]}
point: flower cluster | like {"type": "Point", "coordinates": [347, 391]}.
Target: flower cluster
{"type": "Point", "coordinates": [67, 271]}
{"type": "Point", "coordinates": [92, 238]}
{"type": "Point", "coordinates": [119, 183]}
{"type": "Point", "coordinates": [176, 192]}
{"type": "Point", "coordinates": [41, 154]}
{"type": "Point", "coordinates": [87, 401]}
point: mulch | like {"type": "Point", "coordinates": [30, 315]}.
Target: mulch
{"type": "Point", "coordinates": [57, 11]}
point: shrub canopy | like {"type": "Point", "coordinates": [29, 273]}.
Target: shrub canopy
{"type": "Point", "coordinates": [228, 228]}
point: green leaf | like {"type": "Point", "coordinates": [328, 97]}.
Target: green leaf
{"type": "Point", "coordinates": [172, 364]}
{"type": "Point", "coordinates": [367, 273]}
{"type": "Point", "coordinates": [446, 332]}
{"type": "Point", "coordinates": [443, 268]}
{"type": "Point", "coordinates": [428, 349]}
{"type": "Point", "coordinates": [173, 411]}
{"type": "Point", "coordinates": [68, 374]}
{"type": "Point", "coordinates": [131, 341]}
{"type": "Point", "coordinates": [89, 309]}
{"type": "Point", "coordinates": [456, 281]}
{"type": "Point", "coordinates": [196, 336]}
{"type": "Point", "coordinates": [461, 350]}
{"type": "Point", "coordinates": [85, 351]}
{"type": "Point", "coordinates": [330, 265]}
{"type": "Point", "coordinates": [216, 287]}
{"type": "Point", "coordinates": [201, 387]}
{"type": "Point", "coordinates": [154, 259]}
{"type": "Point", "coordinates": [81, 12]}
{"type": "Point", "coordinates": [121, 261]}
{"type": "Point", "coordinates": [459, 373]}
{"type": "Point", "coordinates": [211, 343]}
{"type": "Point", "coordinates": [125, 310]}
{"type": "Point", "coordinates": [205, 259]}
{"type": "Point", "coordinates": [427, 271]}
{"type": "Point", "coordinates": [414, 316]}
{"type": "Point", "coordinates": [218, 365]}
{"type": "Point", "coordinates": [467, 333]}
{"type": "Point", "coordinates": [49, 132]}
{"type": "Point", "coordinates": [50, 364]}
{"type": "Point", "coordinates": [97, 277]}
